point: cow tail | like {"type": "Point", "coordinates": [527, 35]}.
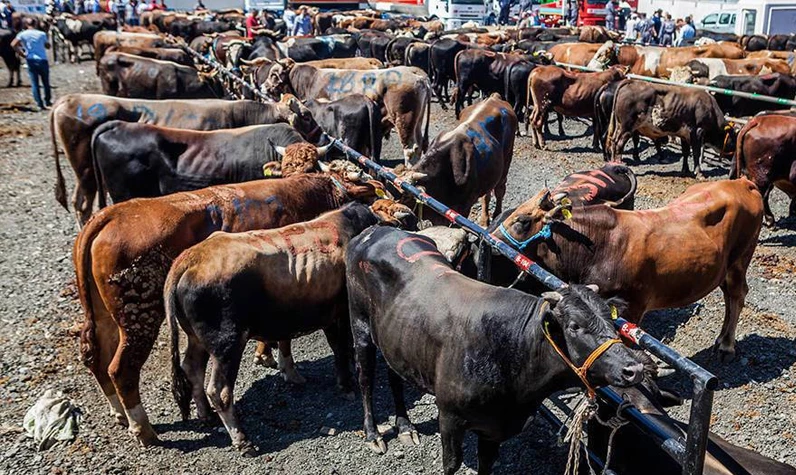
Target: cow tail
{"type": "Point", "coordinates": [612, 121]}
{"type": "Point", "coordinates": [181, 387]}
{"type": "Point", "coordinates": [407, 53]}
{"type": "Point", "coordinates": [99, 177]}
{"type": "Point", "coordinates": [81, 252]}
{"type": "Point", "coordinates": [738, 167]}
{"type": "Point", "coordinates": [530, 98]}
{"type": "Point", "coordinates": [507, 84]}
{"type": "Point", "coordinates": [432, 70]}
{"type": "Point", "coordinates": [60, 184]}
{"type": "Point", "coordinates": [428, 114]}
{"type": "Point", "coordinates": [598, 122]}
{"type": "Point", "coordinates": [375, 130]}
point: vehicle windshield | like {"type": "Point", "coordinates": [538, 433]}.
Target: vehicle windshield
{"type": "Point", "coordinates": [468, 2]}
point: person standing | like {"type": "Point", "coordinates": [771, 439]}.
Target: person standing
{"type": "Point", "coordinates": [525, 6]}
{"type": "Point", "coordinates": [252, 23]}
{"type": "Point", "coordinates": [624, 14]}
{"type": "Point", "coordinates": [630, 28]}
{"type": "Point", "coordinates": [7, 14]}
{"type": "Point", "coordinates": [667, 31]}
{"type": "Point", "coordinates": [656, 22]}
{"type": "Point", "coordinates": [610, 15]}
{"type": "Point", "coordinates": [505, 9]}
{"type": "Point", "coordinates": [32, 44]}
{"type": "Point", "coordinates": [303, 26]}
{"type": "Point", "coordinates": [289, 17]}
{"type": "Point", "coordinates": [574, 8]}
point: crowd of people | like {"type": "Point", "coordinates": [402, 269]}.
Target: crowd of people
{"type": "Point", "coordinates": [656, 29]}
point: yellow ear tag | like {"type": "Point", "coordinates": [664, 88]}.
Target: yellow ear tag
{"type": "Point", "coordinates": [267, 172]}
{"type": "Point", "coordinates": [614, 313]}
{"type": "Point", "coordinates": [565, 202]}
{"type": "Point", "coordinates": [380, 193]}
{"type": "Point", "coordinates": [566, 213]}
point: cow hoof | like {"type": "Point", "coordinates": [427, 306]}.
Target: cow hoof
{"type": "Point", "coordinates": [378, 446]}
{"type": "Point", "coordinates": [247, 449]}
{"type": "Point", "coordinates": [210, 420]}
{"type": "Point", "coordinates": [768, 221]}
{"type": "Point", "coordinates": [409, 438]}
{"type": "Point", "coordinates": [265, 360]}
{"type": "Point", "coordinates": [120, 419]}
{"type": "Point", "coordinates": [147, 438]}
{"type": "Point", "coordinates": [724, 355]}
{"type": "Point", "coordinates": [293, 377]}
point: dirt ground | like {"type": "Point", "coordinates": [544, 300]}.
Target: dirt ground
{"type": "Point", "coordinates": [753, 408]}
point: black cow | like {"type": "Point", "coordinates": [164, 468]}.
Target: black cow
{"type": "Point", "coordinates": [263, 46]}
{"type": "Point", "coordinates": [10, 57]}
{"type": "Point", "coordinates": [395, 52]}
{"type": "Point", "coordinates": [470, 161]}
{"type": "Point", "coordinates": [134, 160]}
{"type": "Point", "coordinates": [442, 64]}
{"type": "Point", "coordinates": [417, 55]}
{"type": "Point", "coordinates": [481, 349]}
{"type": "Point", "coordinates": [355, 119]}
{"type": "Point", "coordinates": [632, 449]}
{"type": "Point", "coordinates": [775, 84]}
{"type": "Point", "coordinates": [372, 44]}
{"type": "Point", "coordinates": [80, 30]}
{"type": "Point", "coordinates": [320, 47]}
{"type": "Point", "coordinates": [778, 42]}
{"type": "Point", "coordinates": [754, 42]}
{"type": "Point", "coordinates": [515, 82]}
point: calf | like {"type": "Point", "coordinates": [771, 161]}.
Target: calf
{"type": "Point", "coordinates": [631, 253]}
{"type": "Point", "coordinates": [355, 119]}
{"type": "Point", "coordinates": [470, 161]}
{"type": "Point", "coordinates": [123, 254]}
{"type": "Point", "coordinates": [776, 85]}
{"type": "Point", "coordinates": [126, 75]}
{"type": "Point", "coordinates": [570, 94]}
{"type": "Point", "coordinates": [134, 160]}
{"type": "Point", "coordinates": [75, 117]}
{"type": "Point", "coordinates": [631, 448]}
{"type": "Point", "coordinates": [766, 153]}
{"type": "Point", "coordinates": [403, 93]}
{"type": "Point", "coordinates": [481, 350]}
{"type": "Point", "coordinates": [218, 290]}
{"type": "Point", "coordinates": [657, 111]}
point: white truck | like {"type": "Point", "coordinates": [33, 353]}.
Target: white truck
{"type": "Point", "coordinates": [453, 13]}
{"type": "Point", "coordinates": [766, 17]}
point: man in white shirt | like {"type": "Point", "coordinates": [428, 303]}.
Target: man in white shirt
{"type": "Point", "coordinates": [630, 28]}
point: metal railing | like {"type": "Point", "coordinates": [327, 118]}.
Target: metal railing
{"type": "Point", "coordinates": [690, 454]}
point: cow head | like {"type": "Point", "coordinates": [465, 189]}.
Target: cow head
{"type": "Point", "coordinates": [295, 159]}
{"type": "Point", "coordinates": [392, 213]}
{"type": "Point", "coordinates": [278, 80]}
{"type": "Point", "coordinates": [578, 322]}
{"type": "Point", "coordinates": [525, 225]}
{"type": "Point", "coordinates": [604, 57]}
{"type": "Point", "coordinates": [301, 119]}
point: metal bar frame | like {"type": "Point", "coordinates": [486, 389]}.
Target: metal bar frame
{"type": "Point", "coordinates": [717, 90]}
{"type": "Point", "coordinates": [691, 456]}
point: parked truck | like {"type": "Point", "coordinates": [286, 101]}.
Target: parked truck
{"type": "Point", "coordinates": [454, 13]}
{"type": "Point", "coordinates": [766, 17]}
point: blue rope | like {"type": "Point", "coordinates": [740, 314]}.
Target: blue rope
{"type": "Point", "coordinates": [543, 234]}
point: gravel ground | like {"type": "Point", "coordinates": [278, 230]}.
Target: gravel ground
{"type": "Point", "coordinates": [754, 407]}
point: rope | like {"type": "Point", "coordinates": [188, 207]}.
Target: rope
{"type": "Point", "coordinates": [585, 411]}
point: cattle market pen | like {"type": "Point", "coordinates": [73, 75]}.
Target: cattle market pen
{"type": "Point", "coordinates": [689, 453]}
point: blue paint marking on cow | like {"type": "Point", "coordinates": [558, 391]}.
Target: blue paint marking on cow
{"type": "Point", "coordinates": [97, 112]}
{"type": "Point", "coordinates": [368, 83]}
{"type": "Point", "coordinates": [168, 117]}
{"type": "Point", "coordinates": [145, 114]}
{"type": "Point", "coordinates": [341, 83]}
{"type": "Point", "coordinates": [483, 140]}
{"type": "Point", "coordinates": [391, 77]}
{"type": "Point", "coordinates": [242, 210]}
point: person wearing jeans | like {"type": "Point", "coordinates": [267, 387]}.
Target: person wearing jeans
{"type": "Point", "coordinates": [32, 44]}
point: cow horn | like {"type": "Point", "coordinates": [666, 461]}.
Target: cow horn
{"type": "Point", "coordinates": [559, 196]}
{"type": "Point", "coordinates": [402, 214]}
{"type": "Point", "coordinates": [354, 176]}
{"type": "Point", "coordinates": [280, 150]}
{"type": "Point", "coordinates": [322, 151]}
{"type": "Point", "coordinates": [593, 287]}
{"type": "Point", "coordinates": [552, 297]}
{"type": "Point", "coordinates": [414, 177]}
{"type": "Point", "coordinates": [324, 167]}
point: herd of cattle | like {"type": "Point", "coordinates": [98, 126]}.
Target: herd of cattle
{"type": "Point", "coordinates": [234, 219]}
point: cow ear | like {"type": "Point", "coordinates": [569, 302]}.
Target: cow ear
{"type": "Point", "coordinates": [552, 297]}
{"type": "Point", "coordinates": [546, 202]}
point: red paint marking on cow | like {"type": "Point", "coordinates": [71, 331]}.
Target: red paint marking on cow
{"type": "Point", "coordinates": [366, 267]}
{"type": "Point", "coordinates": [602, 173]}
{"type": "Point", "coordinates": [413, 257]}
{"type": "Point", "coordinates": [443, 270]}
{"type": "Point", "coordinates": [590, 179]}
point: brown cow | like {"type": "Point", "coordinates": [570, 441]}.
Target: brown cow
{"type": "Point", "coordinates": [570, 94]}
{"type": "Point", "coordinates": [660, 258]}
{"type": "Point", "coordinates": [574, 53]}
{"type": "Point", "coordinates": [657, 111]}
{"type": "Point", "coordinates": [403, 93]}
{"type": "Point", "coordinates": [470, 161]}
{"type": "Point", "coordinates": [659, 62]}
{"type": "Point", "coordinates": [127, 75]}
{"type": "Point", "coordinates": [123, 254]}
{"type": "Point", "coordinates": [74, 118]}
{"type": "Point", "coordinates": [712, 67]}
{"type": "Point", "coordinates": [105, 39]}
{"type": "Point", "coordinates": [271, 284]}
{"type": "Point", "coordinates": [766, 152]}
{"type": "Point", "coordinates": [175, 55]}
{"type": "Point", "coordinates": [346, 63]}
